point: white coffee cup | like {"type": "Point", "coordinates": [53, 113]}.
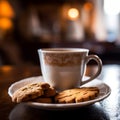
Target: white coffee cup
{"type": "Point", "coordinates": [64, 68]}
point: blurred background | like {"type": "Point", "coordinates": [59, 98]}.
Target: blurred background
{"type": "Point", "coordinates": [27, 25]}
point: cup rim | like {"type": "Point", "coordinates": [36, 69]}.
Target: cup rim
{"type": "Point", "coordinates": [63, 50]}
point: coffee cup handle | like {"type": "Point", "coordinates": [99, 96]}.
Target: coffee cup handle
{"type": "Point", "coordinates": [99, 62]}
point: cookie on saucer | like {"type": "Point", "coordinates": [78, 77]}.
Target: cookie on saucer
{"type": "Point", "coordinates": [76, 95]}
{"type": "Point", "coordinates": [32, 91]}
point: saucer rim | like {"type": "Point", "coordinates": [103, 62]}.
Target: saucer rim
{"type": "Point", "coordinates": [58, 106]}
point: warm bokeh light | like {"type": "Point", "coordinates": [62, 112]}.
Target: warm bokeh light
{"type": "Point", "coordinates": [6, 14]}
{"type": "Point", "coordinates": [73, 13]}
{"type": "Point", "coordinates": [5, 23]}
{"type": "Point", "coordinates": [88, 6]}
{"type": "Point", "coordinates": [6, 9]}
{"type": "Point", "coordinates": [6, 68]}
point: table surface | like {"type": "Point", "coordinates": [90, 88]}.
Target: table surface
{"type": "Point", "coordinates": [107, 109]}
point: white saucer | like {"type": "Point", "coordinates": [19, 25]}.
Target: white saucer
{"type": "Point", "coordinates": [104, 93]}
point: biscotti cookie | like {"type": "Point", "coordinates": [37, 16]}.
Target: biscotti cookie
{"type": "Point", "coordinates": [30, 91]}
{"type": "Point", "coordinates": [76, 95]}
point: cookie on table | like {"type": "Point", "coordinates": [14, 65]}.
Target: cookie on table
{"type": "Point", "coordinates": [76, 95]}
{"type": "Point", "coordinates": [29, 92]}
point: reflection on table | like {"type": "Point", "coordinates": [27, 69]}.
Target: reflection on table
{"type": "Point", "coordinates": [22, 111]}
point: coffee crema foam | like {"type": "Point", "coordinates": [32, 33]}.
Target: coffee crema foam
{"type": "Point", "coordinates": [63, 59]}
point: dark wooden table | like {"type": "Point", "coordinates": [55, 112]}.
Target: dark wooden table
{"type": "Point", "coordinates": [107, 109]}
